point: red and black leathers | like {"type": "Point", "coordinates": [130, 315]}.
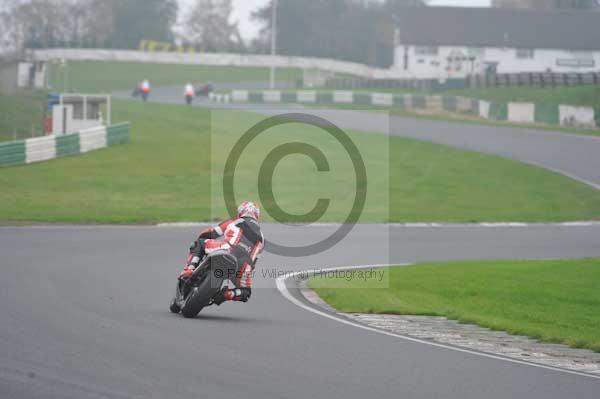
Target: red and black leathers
{"type": "Point", "coordinates": [240, 237]}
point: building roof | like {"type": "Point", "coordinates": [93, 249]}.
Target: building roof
{"type": "Point", "coordinates": [496, 27]}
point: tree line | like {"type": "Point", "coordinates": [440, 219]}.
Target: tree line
{"type": "Point", "coordinates": [334, 28]}
{"type": "Point", "coordinates": [354, 30]}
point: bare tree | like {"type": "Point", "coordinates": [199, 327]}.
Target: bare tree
{"type": "Point", "coordinates": [210, 28]}
{"type": "Point", "coordinates": [39, 23]}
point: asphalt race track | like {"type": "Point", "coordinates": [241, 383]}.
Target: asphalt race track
{"type": "Point", "coordinates": [84, 309]}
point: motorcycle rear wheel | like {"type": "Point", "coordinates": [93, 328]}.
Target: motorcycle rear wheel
{"type": "Point", "coordinates": [199, 297]}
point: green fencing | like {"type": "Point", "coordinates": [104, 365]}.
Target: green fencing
{"type": "Point", "coordinates": [449, 103]}
{"type": "Point", "coordinates": [498, 111]}
{"type": "Point", "coordinates": [546, 113]}
{"type": "Point", "coordinates": [15, 152]}
{"type": "Point", "coordinates": [67, 145]}
{"type": "Point", "coordinates": [362, 98]}
{"type": "Point", "coordinates": [117, 134]}
{"type": "Point", "coordinates": [255, 97]}
{"type": "Point", "coordinates": [324, 97]}
{"type": "Point", "coordinates": [399, 101]}
{"type": "Point", "coordinates": [418, 102]}
{"type": "Point", "coordinates": [12, 153]}
{"type": "Point", "coordinates": [289, 97]}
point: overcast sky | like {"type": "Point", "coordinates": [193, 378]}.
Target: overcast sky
{"type": "Point", "coordinates": [243, 8]}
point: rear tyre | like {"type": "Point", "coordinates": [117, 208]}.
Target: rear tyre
{"type": "Point", "coordinates": [200, 297]}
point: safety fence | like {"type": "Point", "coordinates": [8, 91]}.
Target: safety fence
{"type": "Point", "coordinates": [39, 149]}
{"type": "Point", "coordinates": [518, 112]}
{"type": "Point", "coordinates": [534, 79]}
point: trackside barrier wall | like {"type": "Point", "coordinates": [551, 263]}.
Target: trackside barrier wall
{"type": "Point", "coordinates": [549, 114]}
{"type": "Point", "coordinates": [484, 109]}
{"type": "Point", "coordinates": [576, 116]}
{"type": "Point", "coordinates": [39, 149]}
{"type": "Point", "coordinates": [521, 112]}
{"type": "Point", "coordinates": [12, 153]}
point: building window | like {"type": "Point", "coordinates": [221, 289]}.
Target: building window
{"type": "Point", "coordinates": [478, 52]}
{"type": "Point", "coordinates": [524, 53]}
{"type": "Point", "coordinates": [582, 55]}
{"type": "Point", "coordinates": [78, 111]}
{"type": "Point", "coordinates": [426, 50]}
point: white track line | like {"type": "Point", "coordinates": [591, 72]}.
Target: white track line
{"type": "Point", "coordinates": [285, 292]}
{"type": "Point", "coordinates": [561, 172]}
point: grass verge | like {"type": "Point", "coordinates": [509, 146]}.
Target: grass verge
{"type": "Point", "coordinates": [106, 76]}
{"type": "Point", "coordinates": [169, 173]}
{"type": "Point", "coordinates": [550, 300]}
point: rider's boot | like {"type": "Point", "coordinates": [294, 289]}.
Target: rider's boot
{"type": "Point", "coordinates": [237, 295]}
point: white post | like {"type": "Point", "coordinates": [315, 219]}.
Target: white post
{"type": "Point", "coordinates": [84, 117]}
{"type": "Point", "coordinates": [108, 109]}
{"type": "Point", "coordinates": [273, 42]}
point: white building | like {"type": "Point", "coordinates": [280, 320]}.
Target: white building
{"type": "Point", "coordinates": [448, 42]}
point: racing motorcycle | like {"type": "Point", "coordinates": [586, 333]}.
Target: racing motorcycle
{"type": "Point", "coordinates": [205, 285]}
{"type": "Point", "coordinates": [203, 90]}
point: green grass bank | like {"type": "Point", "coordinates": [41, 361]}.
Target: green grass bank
{"type": "Point", "coordinates": [173, 171]}
{"type": "Point", "coordinates": [107, 76]}
{"type": "Point", "coordinates": [550, 300]}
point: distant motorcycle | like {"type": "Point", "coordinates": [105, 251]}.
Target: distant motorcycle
{"type": "Point", "coordinates": [204, 90]}
{"type": "Point", "coordinates": [205, 285]}
{"type": "Point", "coordinates": [138, 92]}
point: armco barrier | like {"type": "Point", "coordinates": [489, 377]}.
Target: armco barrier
{"type": "Point", "coordinates": [547, 114]}
{"type": "Point", "coordinates": [67, 145]}
{"type": "Point", "coordinates": [576, 116]}
{"type": "Point", "coordinates": [117, 134]}
{"type": "Point", "coordinates": [383, 99]}
{"type": "Point", "coordinates": [307, 96]}
{"type": "Point", "coordinates": [343, 97]}
{"type": "Point", "coordinates": [484, 109]}
{"type": "Point", "coordinates": [39, 149]}
{"type": "Point", "coordinates": [515, 112]}
{"type": "Point", "coordinates": [521, 112]}
{"type": "Point", "coordinates": [498, 111]}
{"type": "Point", "coordinates": [92, 139]}
{"type": "Point", "coordinates": [12, 153]}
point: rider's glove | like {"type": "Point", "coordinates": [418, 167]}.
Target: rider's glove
{"type": "Point", "coordinates": [187, 272]}
{"type": "Point", "coordinates": [243, 294]}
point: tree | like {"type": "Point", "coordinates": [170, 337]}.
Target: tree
{"type": "Point", "coordinates": [209, 27]}
{"type": "Point", "coordinates": [137, 20]}
{"type": "Point", "coordinates": [97, 24]}
{"type": "Point", "coordinates": [341, 29]}
{"type": "Point", "coordinates": [86, 23]}
{"type": "Point", "coordinates": [4, 26]}
{"type": "Point", "coordinates": [38, 23]}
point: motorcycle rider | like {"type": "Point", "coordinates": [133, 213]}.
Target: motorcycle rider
{"type": "Point", "coordinates": [188, 93]}
{"type": "Point", "coordinates": [242, 238]}
{"type": "Point", "coordinates": [145, 89]}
